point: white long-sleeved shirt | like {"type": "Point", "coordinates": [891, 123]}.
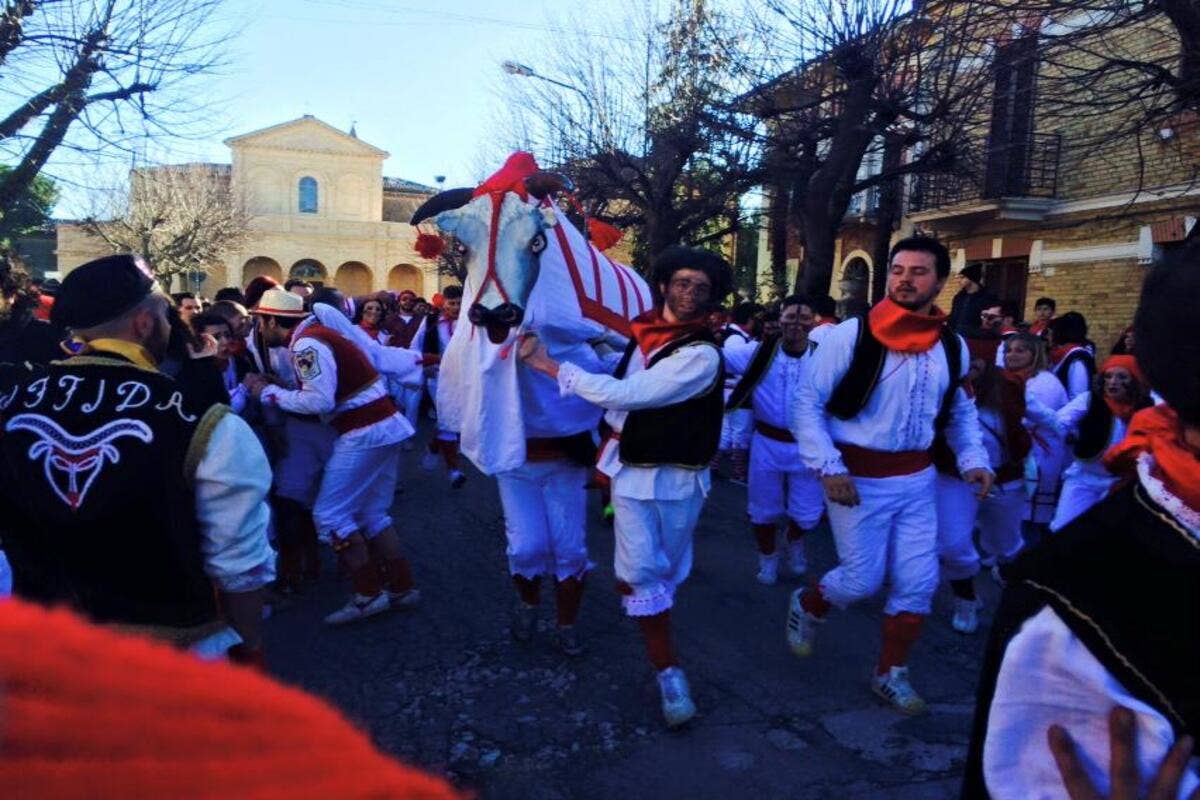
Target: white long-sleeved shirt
{"type": "Point", "coordinates": [1049, 677]}
{"type": "Point", "coordinates": [737, 340]}
{"type": "Point", "coordinates": [771, 399]}
{"type": "Point", "coordinates": [899, 414]}
{"type": "Point", "coordinates": [684, 374]}
{"type": "Point", "coordinates": [1069, 417]}
{"type": "Point", "coordinates": [316, 368]}
{"type": "Point", "coordinates": [231, 484]}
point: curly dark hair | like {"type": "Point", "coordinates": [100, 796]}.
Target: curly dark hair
{"type": "Point", "coordinates": [678, 257]}
{"type": "Point", "coordinates": [16, 285]}
{"type": "Point", "coordinates": [1168, 331]}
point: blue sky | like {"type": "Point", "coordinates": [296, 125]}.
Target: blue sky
{"type": "Point", "coordinates": [418, 76]}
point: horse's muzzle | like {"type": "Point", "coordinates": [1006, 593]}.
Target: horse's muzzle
{"type": "Point", "coordinates": [498, 321]}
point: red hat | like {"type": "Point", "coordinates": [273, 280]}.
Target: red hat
{"type": "Point", "coordinates": [1125, 362]}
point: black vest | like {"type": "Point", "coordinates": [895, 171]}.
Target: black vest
{"type": "Point", "coordinates": [763, 357]}
{"type": "Point", "coordinates": [1062, 370]}
{"type": "Point", "coordinates": [684, 434]}
{"type": "Point", "coordinates": [97, 458]}
{"type": "Point", "coordinates": [1146, 634]}
{"type": "Point", "coordinates": [851, 394]}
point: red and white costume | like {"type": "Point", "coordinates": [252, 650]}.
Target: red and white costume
{"type": "Point", "coordinates": [338, 383]}
{"type": "Point", "coordinates": [738, 425]}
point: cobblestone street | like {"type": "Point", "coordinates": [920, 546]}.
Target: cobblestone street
{"type": "Point", "coordinates": [445, 687]}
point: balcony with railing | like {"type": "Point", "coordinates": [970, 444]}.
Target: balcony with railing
{"type": "Point", "coordinates": [1013, 180]}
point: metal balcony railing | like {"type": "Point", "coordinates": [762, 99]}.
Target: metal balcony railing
{"type": "Point", "coordinates": [1027, 168]}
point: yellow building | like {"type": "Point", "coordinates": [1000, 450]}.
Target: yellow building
{"type": "Point", "coordinates": [320, 209]}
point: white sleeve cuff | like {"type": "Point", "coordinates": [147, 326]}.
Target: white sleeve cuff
{"type": "Point", "coordinates": [568, 377]}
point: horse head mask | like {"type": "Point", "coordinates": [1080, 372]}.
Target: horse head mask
{"type": "Point", "coordinates": [500, 229]}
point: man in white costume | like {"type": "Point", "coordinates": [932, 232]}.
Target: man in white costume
{"type": "Point", "coordinates": [781, 486]}
{"type": "Point", "coordinates": [879, 388]}
{"type": "Point", "coordinates": [664, 406]}
{"type": "Point", "coordinates": [352, 511]}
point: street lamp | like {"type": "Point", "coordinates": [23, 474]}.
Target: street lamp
{"type": "Point", "coordinates": [525, 71]}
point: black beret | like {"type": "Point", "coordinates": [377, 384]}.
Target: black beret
{"type": "Point", "coordinates": [100, 291]}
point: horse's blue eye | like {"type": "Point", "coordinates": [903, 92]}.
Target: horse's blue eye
{"type": "Point", "coordinates": [537, 244]}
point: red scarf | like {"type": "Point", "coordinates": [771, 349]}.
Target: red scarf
{"type": "Point", "coordinates": [1158, 431]}
{"type": "Point", "coordinates": [652, 332]}
{"type": "Point", "coordinates": [1061, 351]}
{"type": "Point", "coordinates": [371, 328]}
{"type": "Point", "coordinates": [903, 330]}
{"type": "Point", "coordinates": [1037, 326]}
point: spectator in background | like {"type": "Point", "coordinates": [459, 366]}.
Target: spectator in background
{"type": "Point", "coordinates": [824, 317]}
{"type": "Point", "coordinates": [231, 293]}
{"type": "Point", "coordinates": [24, 340]}
{"type": "Point", "coordinates": [1043, 313]}
{"type": "Point", "coordinates": [256, 288]}
{"type": "Point", "coordinates": [231, 366]}
{"type": "Point", "coordinates": [187, 304]}
{"type": "Point", "coordinates": [967, 307]}
{"type": "Point", "coordinates": [1123, 346]}
{"type": "Point", "coordinates": [1072, 360]}
{"type": "Point", "coordinates": [236, 315]}
{"type": "Point", "coordinates": [299, 287]}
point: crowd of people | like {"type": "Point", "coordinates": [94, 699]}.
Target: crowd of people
{"type": "Point", "coordinates": [169, 465]}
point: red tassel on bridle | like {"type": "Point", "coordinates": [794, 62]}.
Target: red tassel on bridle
{"type": "Point", "coordinates": [429, 245]}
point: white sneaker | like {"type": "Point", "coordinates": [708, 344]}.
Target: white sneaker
{"type": "Point", "coordinates": [457, 479]}
{"type": "Point", "coordinates": [677, 705]}
{"type": "Point", "coordinates": [359, 607]}
{"type": "Point", "coordinates": [801, 627]}
{"type": "Point", "coordinates": [797, 563]}
{"type": "Point", "coordinates": [895, 690]}
{"type": "Point", "coordinates": [408, 599]}
{"type": "Point", "coordinates": [768, 569]}
{"type": "Point", "coordinates": [966, 615]}
{"type": "Point", "coordinates": [430, 461]}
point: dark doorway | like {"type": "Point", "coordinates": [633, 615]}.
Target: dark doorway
{"type": "Point", "coordinates": [1006, 278]}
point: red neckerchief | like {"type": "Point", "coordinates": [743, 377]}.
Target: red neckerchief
{"type": "Point", "coordinates": [903, 330]}
{"type": "Point", "coordinates": [1021, 375]}
{"type": "Point", "coordinates": [372, 328]}
{"type": "Point", "coordinates": [823, 323]}
{"type": "Point", "coordinates": [652, 332]}
{"type": "Point", "coordinates": [1061, 351]}
{"type": "Point", "coordinates": [1157, 431]}
{"type": "Point", "coordinates": [1008, 330]}
{"type": "Point", "coordinates": [1037, 327]}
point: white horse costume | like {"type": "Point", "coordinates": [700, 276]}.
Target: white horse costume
{"type": "Point", "coordinates": [529, 270]}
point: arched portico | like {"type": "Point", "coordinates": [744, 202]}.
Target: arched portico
{"type": "Point", "coordinates": [261, 265]}
{"type": "Point", "coordinates": [353, 278]}
{"type": "Point", "coordinates": [405, 277]}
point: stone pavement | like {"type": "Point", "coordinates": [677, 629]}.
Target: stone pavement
{"type": "Point", "coordinates": [445, 688]}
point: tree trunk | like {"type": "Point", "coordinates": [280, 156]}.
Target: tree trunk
{"type": "Point", "coordinates": [816, 271]}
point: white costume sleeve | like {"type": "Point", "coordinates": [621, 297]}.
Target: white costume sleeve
{"type": "Point", "coordinates": [1038, 415]}
{"type": "Point", "coordinates": [318, 380]}
{"type": "Point", "coordinates": [1077, 380]}
{"type": "Point", "coordinates": [1049, 677]}
{"type": "Point", "coordinates": [231, 484]}
{"type": "Point", "coordinates": [680, 376]}
{"type": "Point", "coordinates": [810, 422]}
{"type": "Point", "coordinates": [738, 357]}
{"type": "Point", "coordinates": [1070, 415]}
{"type": "Point", "coordinates": [962, 429]}
{"type": "Point", "coordinates": [395, 362]}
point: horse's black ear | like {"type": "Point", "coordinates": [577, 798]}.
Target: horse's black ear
{"type": "Point", "coordinates": [442, 201]}
{"type": "Point", "coordinates": [543, 184]}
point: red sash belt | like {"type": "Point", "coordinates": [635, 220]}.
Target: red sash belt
{"type": "Point", "coordinates": [863, 462]}
{"type": "Point", "coordinates": [771, 432]}
{"type": "Point", "coordinates": [545, 449]}
{"type": "Point", "coordinates": [374, 411]}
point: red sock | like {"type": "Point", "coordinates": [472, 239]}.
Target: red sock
{"type": "Point", "coordinates": [568, 595]}
{"type": "Point", "coordinates": [900, 632]}
{"type": "Point", "coordinates": [794, 532]}
{"type": "Point", "coordinates": [365, 580]}
{"type": "Point", "coordinates": [449, 452]}
{"type": "Point", "coordinates": [765, 536]}
{"type": "Point", "coordinates": [656, 631]}
{"type": "Point", "coordinates": [528, 589]}
{"type": "Point", "coordinates": [813, 601]}
{"type": "Point", "coordinates": [399, 575]}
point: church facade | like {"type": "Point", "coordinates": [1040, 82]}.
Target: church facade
{"type": "Point", "coordinates": [320, 209]}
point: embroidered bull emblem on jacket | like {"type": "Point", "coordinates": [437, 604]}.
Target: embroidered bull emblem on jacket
{"type": "Point", "coordinates": [72, 463]}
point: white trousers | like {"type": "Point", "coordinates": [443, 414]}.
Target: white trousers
{"type": "Point", "coordinates": [780, 484]}
{"type": "Point", "coordinates": [298, 471]}
{"type": "Point", "coordinates": [411, 406]}
{"type": "Point", "coordinates": [1052, 457]}
{"type": "Point", "coordinates": [891, 533]}
{"type": "Point", "coordinates": [653, 550]}
{"type": "Point", "coordinates": [1080, 492]}
{"type": "Point", "coordinates": [736, 428]}
{"type": "Point", "coordinates": [6, 577]}
{"type": "Point", "coordinates": [357, 491]}
{"type": "Point", "coordinates": [545, 519]}
{"type": "Point", "coordinates": [998, 517]}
